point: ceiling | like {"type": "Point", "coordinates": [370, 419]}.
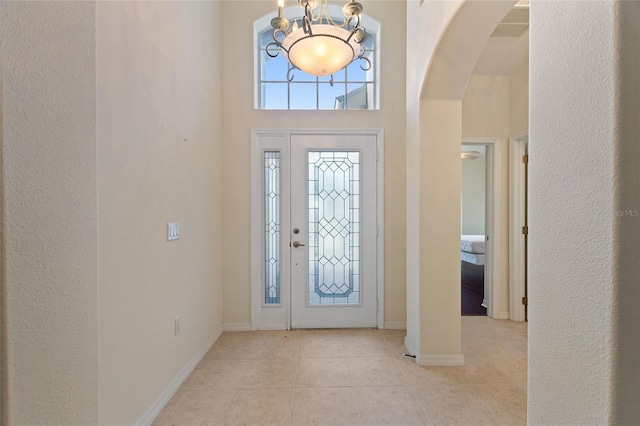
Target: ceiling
{"type": "Point", "coordinates": [508, 46]}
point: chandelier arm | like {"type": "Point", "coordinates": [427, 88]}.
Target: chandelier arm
{"type": "Point", "coordinates": [360, 30]}
{"type": "Point", "coordinates": [290, 74]}
{"type": "Point", "coordinates": [331, 81]}
{"type": "Point", "coordinates": [308, 15]}
{"type": "Point", "coordinates": [306, 26]}
{"type": "Point", "coordinates": [344, 24]}
{"type": "Point", "coordinates": [315, 18]}
{"type": "Point", "coordinates": [366, 67]}
{"type": "Point", "coordinates": [277, 45]}
{"type": "Point", "coordinates": [277, 32]}
{"type": "Point", "coordinates": [363, 51]}
{"type": "Point", "coordinates": [357, 20]}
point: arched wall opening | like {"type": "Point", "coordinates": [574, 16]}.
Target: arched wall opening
{"type": "Point", "coordinates": [433, 161]}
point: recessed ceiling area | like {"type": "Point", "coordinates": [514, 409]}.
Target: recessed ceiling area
{"type": "Point", "coordinates": [508, 46]}
{"type": "Point", "coordinates": [514, 24]}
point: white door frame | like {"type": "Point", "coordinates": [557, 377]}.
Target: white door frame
{"type": "Point", "coordinates": [278, 317]}
{"type": "Point", "coordinates": [517, 149]}
{"type": "Point", "coordinates": [495, 252]}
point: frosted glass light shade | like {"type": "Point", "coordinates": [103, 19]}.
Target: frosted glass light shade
{"type": "Point", "coordinates": [324, 53]}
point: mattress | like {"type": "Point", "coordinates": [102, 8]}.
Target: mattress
{"type": "Point", "coordinates": [473, 243]}
{"type": "Point", "coordinates": [476, 259]}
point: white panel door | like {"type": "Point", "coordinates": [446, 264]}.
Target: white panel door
{"type": "Point", "coordinates": [333, 231]}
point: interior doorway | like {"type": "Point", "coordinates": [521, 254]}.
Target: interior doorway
{"type": "Point", "coordinates": [473, 235]}
{"type": "Point", "coordinates": [495, 253]}
{"type": "Point", "coordinates": [316, 249]}
{"type": "Point", "coordinates": [518, 226]}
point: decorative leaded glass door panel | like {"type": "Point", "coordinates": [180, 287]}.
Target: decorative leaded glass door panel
{"type": "Point", "coordinates": [333, 231]}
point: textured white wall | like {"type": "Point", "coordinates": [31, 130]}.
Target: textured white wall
{"type": "Point", "coordinates": [158, 87]}
{"type": "Point", "coordinates": [627, 218]}
{"type": "Point", "coordinates": [50, 281]}
{"type": "Point", "coordinates": [572, 203]}
{"type": "Point", "coordinates": [239, 117]}
{"type": "Point", "coordinates": [473, 196]}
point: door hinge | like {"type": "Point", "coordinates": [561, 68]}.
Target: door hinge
{"type": "Point", "coordinates": [525, 230]}
{"type": "Point", "coordinates": [525, 159]}
{"type": "Point", "coordinates": [525, 301]}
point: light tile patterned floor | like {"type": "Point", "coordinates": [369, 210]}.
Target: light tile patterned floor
{"type": "Point", "coordinates": [354, 377]}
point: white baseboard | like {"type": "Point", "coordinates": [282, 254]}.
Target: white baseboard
{"type": "Point", "coordinates": [152, 412]}
{"type": "Point", "coordinates": [501, 316]}
{"type": "Point", "coordinates": [237, 326]}
{"type": "Point", "coordinates": [455, 360]}
{"type": "Point", "coordinates": [395, 325]}
{"type": "Point", "coordinates": [274, 327]}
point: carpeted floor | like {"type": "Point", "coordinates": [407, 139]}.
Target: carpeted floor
{"type": "Point", "coordinates": [472, 280]}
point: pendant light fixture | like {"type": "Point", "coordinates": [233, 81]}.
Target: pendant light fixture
{"type": "Point", "coordinates": [318, 45]}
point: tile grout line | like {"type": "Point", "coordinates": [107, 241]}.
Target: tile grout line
{"type": "Point", "coordinates": [226, 410]}
{"type": "Point", "coordinates": [295, 379]}
{"type": "Point", "coordinates": [412, 388]}
{"type": "Point", "coordinates": [424, 409]}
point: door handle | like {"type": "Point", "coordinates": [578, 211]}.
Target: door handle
{"type": "Point", "coordinates": [297, 244]}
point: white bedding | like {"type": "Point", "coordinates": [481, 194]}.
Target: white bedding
{"type": "Point", "coordinates": [473, 244]}
{"type": "Point", "coordinates": [476, 259]}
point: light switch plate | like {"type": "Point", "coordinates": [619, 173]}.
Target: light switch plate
{"type": "Point", "coordinates": [173, 231]}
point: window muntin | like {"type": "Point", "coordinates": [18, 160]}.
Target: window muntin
{"type": "Point", "coordinates": [352, 88]}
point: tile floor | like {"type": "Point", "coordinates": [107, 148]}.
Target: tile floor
{"type": "Point", "coordinates": [354, 377]}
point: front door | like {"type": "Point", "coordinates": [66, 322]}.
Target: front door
{"type": "Point", "coordinates": [333, 231]}
{"type": "Point", "coordinates": [314, 220]}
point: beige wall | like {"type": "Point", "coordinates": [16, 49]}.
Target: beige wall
{"type": "Point", "coordinates": [486, 114]}
{"type": "Point", "coordinates": [448, 51]}
{"type": "Point", "coordinates": [519, 99]}
{"type": "Point", "coordinates": [473, 196]}
{"type": "Point", "coordinates": [239, 117]}
{"type": "Point", "coordinates": [158, 132]}
{"type": "Point", "coordinates": [440, 233]}
{"type": "Point", "coordinates": [420, 16]}
{"type": "Point", "coordinates": [49, 223]}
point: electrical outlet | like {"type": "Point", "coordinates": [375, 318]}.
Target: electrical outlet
{"type": "Point", "coordinates": [178, 325]}
{"type": "Point", "coordinates": [173, 231]}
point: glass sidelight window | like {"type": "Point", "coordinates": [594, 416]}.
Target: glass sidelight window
{"type": "Point", "coordinates": [272, 260]}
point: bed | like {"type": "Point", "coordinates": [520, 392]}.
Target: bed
{"type": "Point", "coordinates": [472, 248]}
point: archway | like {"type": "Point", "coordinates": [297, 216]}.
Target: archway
{"type": "Point", "coordinates": [433, 161]}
